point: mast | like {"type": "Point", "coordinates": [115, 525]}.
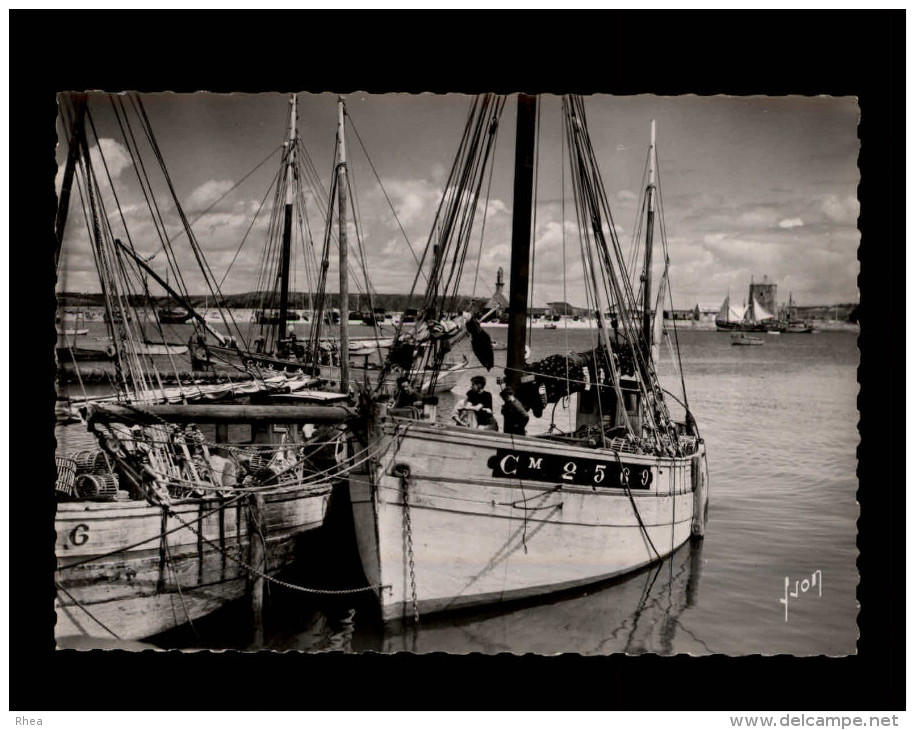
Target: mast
{"type": "Point", "coordinates": [649, 236]}
{"type": "Point", "coordinates": [522, 198]}
{"type": "Point", "coordinates": [344, 283]}
{"type": "Point", "coordinates": [287, 221]}
{"type": "Point", "coordinates": [72, 156]}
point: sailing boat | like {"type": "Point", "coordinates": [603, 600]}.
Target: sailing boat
{"type": "Point", "coordinates": [449, 517]}
{"type": "Point", "coordinates": [793, 325]}
{"type": "Point", "coordinates": [167, 520]}
{"type": "Point", "coordinates": [751, 318]}
{"type": "Point", "coordinates": [318, 355]}
{"type": "Point", "coordinates": [758, 319]}
{"type": "Point", "coordinates": [730, 317]}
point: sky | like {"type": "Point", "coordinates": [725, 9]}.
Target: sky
{"type": "Point", "coordinates": [750, 186]}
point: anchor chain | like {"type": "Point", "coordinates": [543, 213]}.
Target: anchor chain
{"type": "Point", "coordinates": [403, 471]}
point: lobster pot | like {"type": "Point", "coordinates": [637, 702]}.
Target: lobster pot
{"type": "Point", "coordinates": [92, 461]}
{"type": "Point", "coordinates": [97, 487]}
{"type": "Point", "coordinates": [258, 463]}
{"type": "Point", "coordinates": [66, 476]}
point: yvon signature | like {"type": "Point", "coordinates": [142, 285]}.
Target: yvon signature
{"type": "Point", "coordinates": [802, 586]}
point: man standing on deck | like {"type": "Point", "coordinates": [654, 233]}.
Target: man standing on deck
{"type": "Point", "coordinates": [514, 414]}
{"type": "Point", "coordinates": [480, 401]}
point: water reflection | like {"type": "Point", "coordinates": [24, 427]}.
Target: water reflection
{"type": "Point", "coordinates": [641, 613]}
{"type": "Point", "coordinates": [644, 612]}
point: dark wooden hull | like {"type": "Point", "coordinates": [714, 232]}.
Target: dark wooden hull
{"type": "Point", "coordinates": [110, 587]}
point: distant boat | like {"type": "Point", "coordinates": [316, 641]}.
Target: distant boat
{"type": "Point", "coordinates": [741, 338]}
{"type": "Point", "coordinates": [736, 318]}
{"type": "Point", "coordinates": [71, 354]}
{"type": "Point", "coordinates": [549, 326]}
{"type": "Point", "coordinates": [274, 318]}
{"type": "Point", "coordinates": [797, 327]}
{"type": "Point", "coordinates": [173, 316]}
{"type": "Point", "coordinates": [793, 325]}
{"type": "Point", "coordinates": [159, 348]}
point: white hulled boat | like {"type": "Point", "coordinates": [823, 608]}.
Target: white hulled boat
{"type": "Point", "coordinates": [449, 517]}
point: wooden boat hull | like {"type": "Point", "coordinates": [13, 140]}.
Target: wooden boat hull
{"type": "Point", "coordinates": [477, 535]}
{"type": "Point", "coordinates": [137, 591]}
{"type": "Point", "coordinates": [637, 613]}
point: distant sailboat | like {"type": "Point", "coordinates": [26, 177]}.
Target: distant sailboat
{"type": "Point", "coordinates": [729, 317]}
{"type": "Point", "coordinates": [752, 318]}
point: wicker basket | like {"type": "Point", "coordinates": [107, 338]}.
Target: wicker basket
{"type": "Point", "coordinates": [258, 462]}
{"type": "Point", "coordinates": [97, 487]}
{"type": "Point", "coordinates": [66, 476]}
{"type": "Point", "coordinates": [90, 462]}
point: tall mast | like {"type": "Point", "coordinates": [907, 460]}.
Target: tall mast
{"type": "Point", "coordinates": [521, 236]}
{"type": "Point", "coordinates": [287, 221]}
{"type": "Point", "coordinates": [344, 283]}
{"type": "Point", "coordinates": [76, 132]}
{"type": "Point", "coordinates": [649, 236]}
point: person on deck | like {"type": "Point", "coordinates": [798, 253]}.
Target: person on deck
{"type": "Point", "coordinates": [514, 413]}
{"type": "Point", "coordinates": [406, 396]}
{"type": "Point", "coordinates": [479, 402]}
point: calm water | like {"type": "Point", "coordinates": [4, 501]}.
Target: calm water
{"type": "Point", "coordinates": [780, 422]}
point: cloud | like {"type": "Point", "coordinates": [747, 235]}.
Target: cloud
{"type": "Point", "coordinates": [838, 209]}
{"type": "Point", "coordinates": [117, 158]}
{"type": "Point", "coordinates": [206, 194]}
{"type": "Point", "coordinates": [790, 223]}
{"type": "Point", "coordinates": [113, 155]}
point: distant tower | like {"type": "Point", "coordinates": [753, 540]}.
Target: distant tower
{"type": "Point", "coordinates": [766, 294]}
{"type": "Point", "coordinates": [497, 301]}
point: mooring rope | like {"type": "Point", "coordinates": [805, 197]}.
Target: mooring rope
{"type": "Point", "coordinates": [261, 574]}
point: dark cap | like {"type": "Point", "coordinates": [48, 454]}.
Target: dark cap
{"type": "Point", "coordinates": [478, 380]}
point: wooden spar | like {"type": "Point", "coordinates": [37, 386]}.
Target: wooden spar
{"type": "Point", "coordinates": [521, 236]}
{"type": "Point", "coordinates": [344, 282]}
{"type": "Point", "coordinates": [180, 413]}
{"type": "Point", "coordinates": [649, 237]}
{"type": "Point", "coordinates": [63, 206]}
{"type": "Point", "coordinates": [184, 302]}
{"type": "Point", "coordinates": [287, 222]}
